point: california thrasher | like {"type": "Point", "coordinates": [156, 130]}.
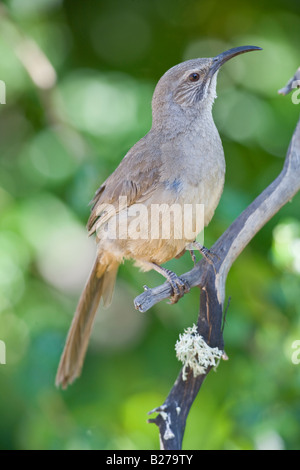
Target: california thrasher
{"type": "Point", "coordinates": [180, 161]}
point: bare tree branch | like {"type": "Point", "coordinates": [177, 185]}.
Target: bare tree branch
{"type": "Point", "coordinates": [172, 414]}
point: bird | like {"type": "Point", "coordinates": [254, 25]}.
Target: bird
{"type": "Point", "coordinates": [180, 162]}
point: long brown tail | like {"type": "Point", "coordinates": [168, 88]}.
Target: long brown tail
{"type": "Point", "coordinates": [100, 284]}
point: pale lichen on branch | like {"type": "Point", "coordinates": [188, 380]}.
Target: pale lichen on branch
{"type": "Point", "coordinates": [195, 354]}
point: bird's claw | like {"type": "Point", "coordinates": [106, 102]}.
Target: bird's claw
{"type": "Point", "coordinates": [209, 255]}
{"type": "Point", "coordinates": [179, 286]}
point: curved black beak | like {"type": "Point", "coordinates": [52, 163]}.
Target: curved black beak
{"type": "Point", "coordinates": [220, 59]}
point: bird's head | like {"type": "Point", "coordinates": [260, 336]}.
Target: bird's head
{"type": "Point", "coordinates": [192, 84]}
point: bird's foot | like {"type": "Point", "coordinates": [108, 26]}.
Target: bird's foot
{"type": "Point", "coordinates": [206, 253]}
{"type": "Point", "coordinates": [180, 286]}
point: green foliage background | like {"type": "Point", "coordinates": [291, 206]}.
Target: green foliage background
{"type": "Point", "coordinates": [79, 79]}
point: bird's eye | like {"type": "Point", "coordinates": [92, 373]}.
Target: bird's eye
{"type": "Point", "coordinates": [194, 77]}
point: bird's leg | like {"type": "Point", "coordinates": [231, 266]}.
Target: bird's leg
{"type": "Point", "coordinates": [179, 285]}
{"type": "Point", "coordinates": [206, 253]}
{"type": "Point", "coordinates": [193, 256]}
